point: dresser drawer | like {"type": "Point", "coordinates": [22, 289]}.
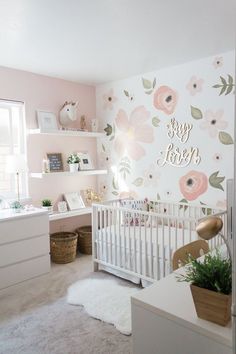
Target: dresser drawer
{"type": "Point", "coordinates": [18, 229]}
{"type": "Point", "coordinates": [25, 249]}
{"type": "Point", "coordinates": [19, 272]}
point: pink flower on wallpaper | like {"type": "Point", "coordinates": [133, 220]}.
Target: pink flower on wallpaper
{"type": "Point", "coordinates": [195, 85]}
{"type": "Point", "coordinates": [165, 99]}
{"type": "Point", "coordinates": [213, 122]}
{"type": "Point", "coordinates": [109, 99]}
{"type": "Point", "coordinates": [151, 176]}
{"type": "Point", "coordinates": [193, 184]}
{"type": "Point", "coordinates": [218, 62]}
{"type": "Point", "coordinates": [127, 195]}
{"type": "Point", "coordinates": [134, 131]}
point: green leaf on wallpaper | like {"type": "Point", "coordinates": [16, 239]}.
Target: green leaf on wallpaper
{"type": "Point", "coordinates": [114, 184]}
{"type": "Point", "coordinates": [196, 113]}
{"type": "Point", "coordinates": [206, 211]}
{"type": "Point", "coordinates": [112, 137]}
{"type": "Point", "coordinates": [225, 138]}
{"type": "Point", "coordinates": [155, 121]}
{"type": "Point", "coordinates": [215, 181]}
{"type": "Point", "coordinates": [103, 148]}
{"type": "Point", "coordinates": [115, 193]}
{"type": "Point", "coordinates": [138, 182]}
{"type": "Point", "coordinates": [158, 196]}
{"type": "Point", "coordinates": [154, 83]}
{"type": "Point", "coordinates": [108, 130]}
{"type": "Point", "coordinates": [126, 93]}
{"type": "Point", "coordinates": [226, 86]}
{"type": "Point", "coordinates": [148, 92]}
{"type": "Point", "coordinates": [185, 202]}
{"type": "Point", "coordinates": [147, 84]}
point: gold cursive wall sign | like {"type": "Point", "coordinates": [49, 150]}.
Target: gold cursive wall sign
{"type": "Point", "coordinates": [174, 156]}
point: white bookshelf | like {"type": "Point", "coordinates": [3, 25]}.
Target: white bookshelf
{"type": "Point", "coordinates": [75, 133]}
{"type": "Point", "coordinates": [69, 214]}
{"type": "Point", "coordinates": [68, 173]}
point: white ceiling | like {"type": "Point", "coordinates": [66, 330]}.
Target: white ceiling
{"type": "Point", "coordinates": [94, 41]}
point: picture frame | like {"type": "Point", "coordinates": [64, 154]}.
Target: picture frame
{"type": "Point", "coordinates": [55, 162]}
{"type": "Point", "coordinates": [47, 121]}
{"type": "Point", "coordinates": [62, 207]}
{"type": "Point", "coordinates": [85, 161]}
{"type": "Point", "coordinates": [74, 200]}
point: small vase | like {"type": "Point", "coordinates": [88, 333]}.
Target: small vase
{"type": "Point", "coordinates": [74, 167]}
{"type": "Point", "coordinates": [48, 208]}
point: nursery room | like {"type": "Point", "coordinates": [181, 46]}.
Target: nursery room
{"type": "Point", "coordinates": [117, 170]}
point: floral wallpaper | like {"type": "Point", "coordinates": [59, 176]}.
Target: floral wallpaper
{"type": "Point", "coordinates": [169, 133]}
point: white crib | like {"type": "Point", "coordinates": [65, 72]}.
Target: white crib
{"type": "Point", "coordinates": [142, 250]}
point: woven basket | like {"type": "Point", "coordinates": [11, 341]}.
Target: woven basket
{"type": "Point", "coordinates": [63, 246]}
{"type": "Point", "coordinates": [85, 239]}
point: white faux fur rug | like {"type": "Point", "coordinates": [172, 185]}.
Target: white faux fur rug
{"type": "Point", "coordinates": [104, 299]}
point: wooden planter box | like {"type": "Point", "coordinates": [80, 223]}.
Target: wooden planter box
{"type": "Point", "coordinates": [212, 306]}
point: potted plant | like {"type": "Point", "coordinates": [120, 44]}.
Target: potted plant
{"type": "Point", "coordinates": [211, 287]}
{"type": "Point", "coordinates": [73, 161]}
{"type": "Point", "coordinates": [47, 205]}
{"type": "Point", "coordinates": [16, 206]}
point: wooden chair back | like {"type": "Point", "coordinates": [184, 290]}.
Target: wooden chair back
{"type": "Point", "coordinates": [195, 249]}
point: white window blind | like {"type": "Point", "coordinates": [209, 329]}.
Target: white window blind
{"type": "Point", "coordinates": [12, 141]}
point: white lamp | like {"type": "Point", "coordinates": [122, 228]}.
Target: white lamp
{"type": "Point", "coordinates": [16, 164]}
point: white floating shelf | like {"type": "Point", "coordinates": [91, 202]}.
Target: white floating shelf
{"type": "Point", "coordinates": [80, 134]}
{"type": "Point", "coordinates": [68, 173]}
{"type": "Point", "coordinates": [69, 214]}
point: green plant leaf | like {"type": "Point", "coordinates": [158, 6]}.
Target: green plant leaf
{"type": "Point", "coordinates": [108, 130]}
{"type": "Point", "coordinates": [206, 211]}
{"type": "Point", "coordinates": [224, 82]}
{"type": "Point", "coordinates": [196, 113]}
{"type": "Point", "coordinates": [155, 121]}
{"type": "Point", "coordinates": [229, 89]}
{"type": "Point", "coordinates": [217, 86]}
{"type": "Point", "coordinates": [225, 138]}
{"type": "Point", "coordinates": [126, 93]}
{"type": "Point", "coordinates": [115, 193]}
{"type": "Point", "coordinates": [230, 80]}
{"type": "Point", "coordinates": [103, 148]}
{"type": "Point", "coordinates": [112, 137]}
{"type": "Point", "coordinates": [215, 181]}
{"type": "Point", "coordinates": [138, 182]}
{"type": "Point", "coordinates": [149, 92]}
{"type": "Point", "coordinates": [223, 90]}
{"type": "Point", "coordinates": [147, 84]}
{"type": "Point", "coordinates": [154, 82]}
{"type": "Point", "coordinates": [183, 206]}
{"type": "Point", "coordinates": [158, 196]}
{"type": "Point", "coordinates": [114, 185]}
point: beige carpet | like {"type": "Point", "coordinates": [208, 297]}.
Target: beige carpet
{"type": "Point", "coordinates": [35, 318]}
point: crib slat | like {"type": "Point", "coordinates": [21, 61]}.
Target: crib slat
{"type": "Point", "coordinates": [105, 230]}
{"type": "Point", "coordinates": [151, 275]}
{"type": "Point", "coordinates": [119, 236]}
{"type": "Point", "coordinates": [110, 236]}
{"type": "Point", "coordinates": [140, 247]}
{"type": "Point", "coordinates": [129, 248]}
{"type": "Point", "coordinates": [163, 248]}
{"type": "Point", "coordinates": [135, 243]}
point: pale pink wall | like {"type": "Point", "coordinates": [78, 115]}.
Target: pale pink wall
{"type": "Point", "coordinates": [45, 93]}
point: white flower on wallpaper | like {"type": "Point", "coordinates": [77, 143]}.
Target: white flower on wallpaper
{"type": "Point", "coordinates": [133, 131]}
{"type": "Point", "coordinates": [218, 62]}
{"type": "Point", "coordinates": [104, 158]}
{"type": "Point", "coordinates": [109, 99]}
{"type": "Point", "coordinates": [151, 176]}
{"type": "Point", "coordinates": [217, 157]}
{"type": "Point", "coordinates": [194, 85]}
{"type": "Point", "coordinates": [213, 122]}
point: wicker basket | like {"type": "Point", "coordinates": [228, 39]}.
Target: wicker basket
{"type": "Point", "coordinates": [63, 246]}
{"type": "Point", "coordinates": [85, 239]}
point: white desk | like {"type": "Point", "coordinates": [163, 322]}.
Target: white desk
{"type": "Point", "coordinates": [24, 246]}
{"type": "Point", "coordinates": [164, 321]}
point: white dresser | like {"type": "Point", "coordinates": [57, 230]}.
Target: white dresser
{"type": "Point", "coordinates": [24, 246]}
{"type": "Point", "coordinates": [164, 321]}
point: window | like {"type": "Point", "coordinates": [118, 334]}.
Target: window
{"type": "Point", "coordinates": [12, 141]}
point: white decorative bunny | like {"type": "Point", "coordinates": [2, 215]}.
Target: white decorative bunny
{"type": "Point", "coordinates": [68, 113]}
